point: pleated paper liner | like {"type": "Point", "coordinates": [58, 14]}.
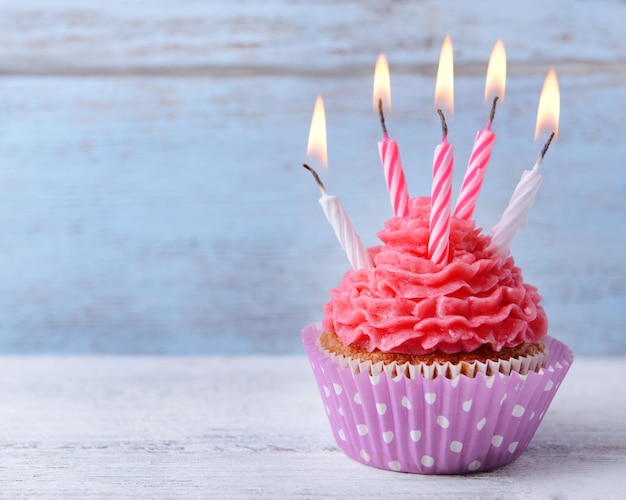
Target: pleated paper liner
{"type": "Point", "coordinates": [520, 364]}
{"type": "Point", "coordinates": [434, 424]}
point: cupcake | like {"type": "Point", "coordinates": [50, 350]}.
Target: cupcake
{"type": "Point", "coordinates": [435, 369]}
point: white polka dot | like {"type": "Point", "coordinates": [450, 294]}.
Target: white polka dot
{"type": "Point", "coordinates": [342, 434]}
{"type": "Point", "coordinates": [375, 379]}
{"type": "Point", "coordinates": [427, 461]}
{"type": "Point", "coordinates": [467, 405]}
{"type": "Point", "coordinates": [327, 410]}
{"type": "Point", "coordinates": [406, 403]}
{"type": "Point", "coordinates": [481, 423]}
{"type": "Point", "coordinates": [523, 377]}
{"type": "Point", "coordinates": [388, 436]}
{"type": "Point", "coordinates": [381, 408]}
{"type": "Point", "coordinates": [430, 397]}
{"type": "Point", "coordinates": [338, 389]}
{"type": "Point", "coordinates": [532, 415]}
{"type": "Point", "coordinates": [362, 429]}
{"type": "Point", "coordinates": [357, 398]}
{"type": "Point", "coordinates": [518, 410]}
{"type": "Point", "coordinates": [503, 399]}
{"type": "Point", "coordinates": [395, 465]}
{"type": "Point", "coordinates": [455, 381]}
{"type": "Point", "coordinates": [365, 455]}
{"type": "Point", "coordinates": [415, 435]}
{"type": "Point", "coordinates": [541, 415]}
{"type": "Point", "coordinates": [326, 391]}
{"type": "Point", "coordinates": [513, 446]}
{"type": "Point", "coordinates": [497, 441]}
{"type": "Point", "coordinates": [549, 385]}
{"type": "Point", "coordinates": [341, 412]}
{"type": "Point", "coordinates": [443, 422]}
{"type": "Point", "coordinates": [456, 446]}
{"type": "Point", "coordinates": [489, 381]}
{"type": "Point", "coordinates": [475, 465]}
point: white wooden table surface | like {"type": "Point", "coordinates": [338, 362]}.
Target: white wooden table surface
{"type": "Point", "coordinates": [248, 427]}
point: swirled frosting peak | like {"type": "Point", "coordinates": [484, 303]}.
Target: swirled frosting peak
{"type": "Point", "coordinates": [407, 304]}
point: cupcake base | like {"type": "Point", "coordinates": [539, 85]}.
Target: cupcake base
{"type": "Point", "coordinates": [434, 426]}
{"type": "Point", "coordinates": [522, 359]}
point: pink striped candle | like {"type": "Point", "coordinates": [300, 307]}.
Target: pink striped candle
{"type": "Point", "coordinates": [476, 168]}
{"type": "Point", "coordinates": [388, 148]}
{"type": "Point", "coordinates": [392, 166]}
{"type": "Point", "coordinates": [481, 153]}
{"type": "Point", "coordinates": [443, 160]}
{"type": "Point", "coordinates": [441, 194]}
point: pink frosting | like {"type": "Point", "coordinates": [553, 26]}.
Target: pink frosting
{"type": "Point", "coordinates": [407, 304]}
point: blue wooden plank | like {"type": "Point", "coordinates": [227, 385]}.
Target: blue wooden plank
{"type": "Point", "coordinates": [153, 202]}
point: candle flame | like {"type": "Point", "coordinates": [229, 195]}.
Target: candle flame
{"type": "Point", "coordinates": [549, 107]}
{"type": "Point", "coordinates": [444, 89]}
{"type": "Point", "coordinates": [316, 148]}
{"type": "Point", "coordinates": [382, 84]}
{"type": "Point", "coordinates": [496, 73]}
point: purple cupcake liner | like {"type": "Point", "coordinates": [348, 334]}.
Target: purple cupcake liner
{"type": "Point", "coordinates": [437, 426]}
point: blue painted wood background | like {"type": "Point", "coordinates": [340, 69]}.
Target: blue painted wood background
{"type": "Point", "coordinates": [151, 195]}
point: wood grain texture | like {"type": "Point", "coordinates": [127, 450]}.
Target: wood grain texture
{"type": "Point", "coordinates": [151, 195]}
{"type": "Point", "coordinates": [215, 427]}
{"type": "Point", "coordinates": [151, 201]}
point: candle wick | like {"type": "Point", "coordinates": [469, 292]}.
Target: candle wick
{"type": "Point", "coordinates": [493, 112]}
{"type": "Point", "coordinates": [444, 125]}
{"type": "Point", "coordinates": [545, 148]}
{"type": "Point", "coordinates": [382, 116]}
{"type": "Point", "coordinates": [317, 178]}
